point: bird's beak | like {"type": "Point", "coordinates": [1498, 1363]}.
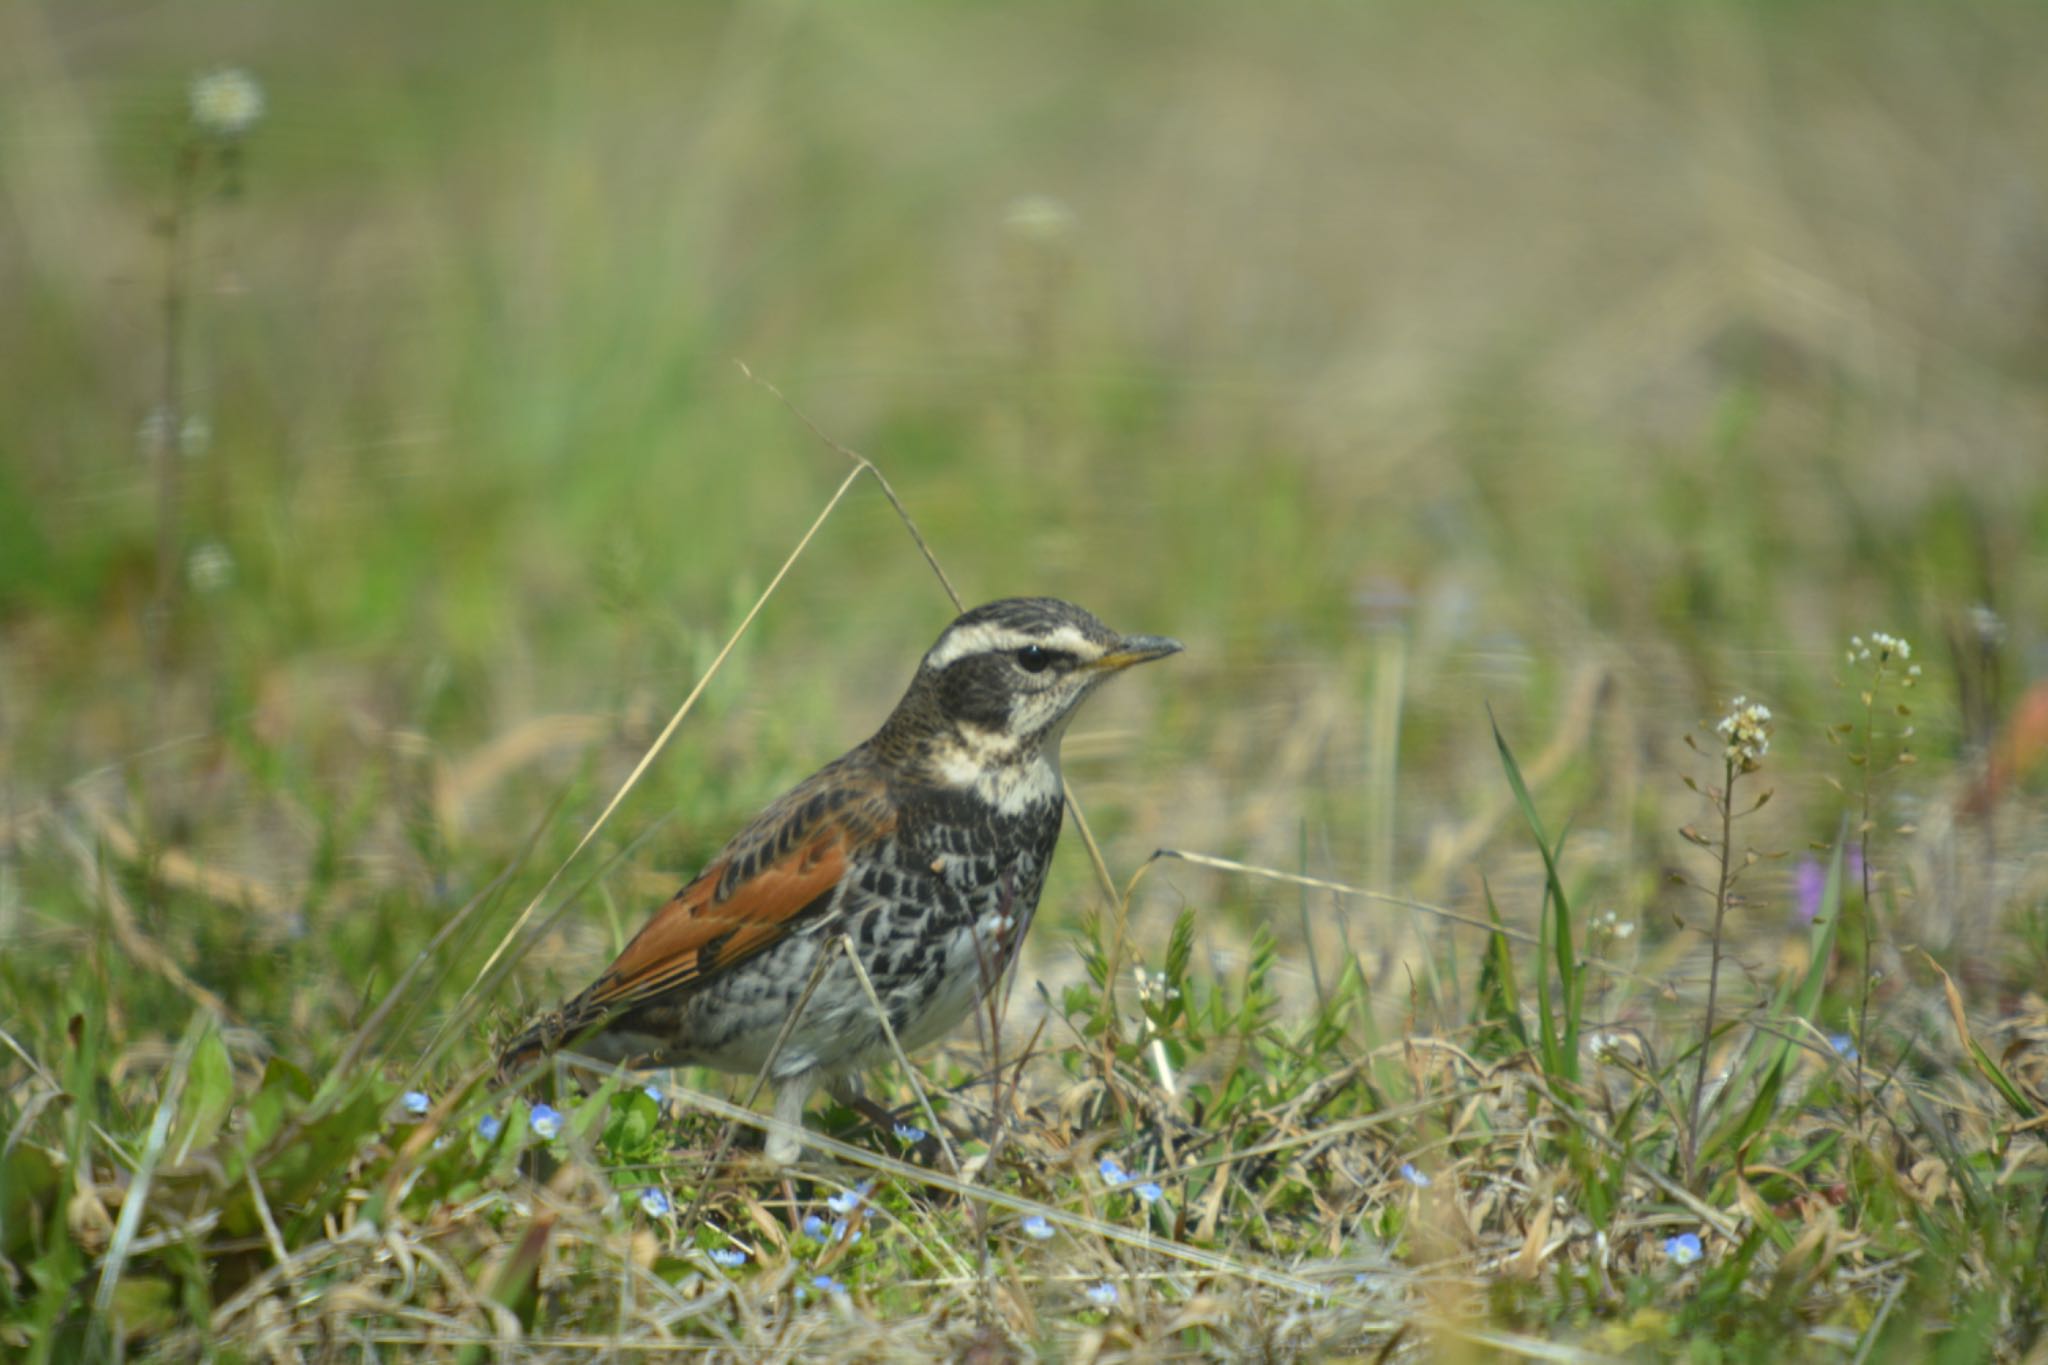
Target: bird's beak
{"type": "Point", "coordinates": [1136, 649]}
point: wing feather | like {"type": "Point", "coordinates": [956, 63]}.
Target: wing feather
{"type": "Point", "coordinates": [777, 872]}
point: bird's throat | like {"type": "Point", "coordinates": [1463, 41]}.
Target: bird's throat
{"type": "Point", "coordinates": [1009, 772]}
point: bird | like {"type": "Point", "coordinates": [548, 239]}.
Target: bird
{"type": "Point", "coordinates": [924, 847]}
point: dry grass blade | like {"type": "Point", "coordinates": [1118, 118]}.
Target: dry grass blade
{"type": "Point", "coordinates": [128, 931]}
{"type": "Point", "coordinates": [668, 731]}
{"type": "Point", "coordinates": [924, 1102]}
{"type": "Point", "coordinates": [1346, 889]}
{"type": "Point", "coordinates": [863, 465]}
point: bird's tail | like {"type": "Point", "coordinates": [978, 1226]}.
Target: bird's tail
{"type": "Point", "coordinates": [578, 1024]}
{"type": "Point", "coordinates": [541, 1037]}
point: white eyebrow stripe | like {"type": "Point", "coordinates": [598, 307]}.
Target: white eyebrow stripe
{"type": "Point", "coordinates": [988, 638]}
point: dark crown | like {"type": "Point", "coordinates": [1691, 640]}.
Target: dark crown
{"type": "Point", "coordinates": [1015, 668]}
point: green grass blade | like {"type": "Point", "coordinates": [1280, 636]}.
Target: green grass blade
{"type": "Point", "coordinates": [1555, 925]}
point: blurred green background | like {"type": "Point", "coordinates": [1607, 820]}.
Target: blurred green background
{"type": "Point", "coordinates": [1612, 356]}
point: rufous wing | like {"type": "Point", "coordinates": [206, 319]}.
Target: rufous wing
{"type": "Point", "coordinates": [785, 866]}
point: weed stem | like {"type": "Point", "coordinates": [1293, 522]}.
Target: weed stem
{"type": "Point", "coordinates": [1699, 1085]}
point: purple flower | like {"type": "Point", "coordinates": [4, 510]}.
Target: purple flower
{"type": "Point", "coordinates": [1811, 879]}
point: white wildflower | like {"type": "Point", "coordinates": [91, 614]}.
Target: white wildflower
{"type": "Point", "coordinates": [1152, 987]}
{"type": "Point", "coordinates": [1747, 729]}
{"type": "Point", "coordinates": [1613, 925]}
{"type": "Point", "coordinates": [153, 432]}
{"type": "Point", "coordinates": [1879, 648]}
{"type": "Point", "coordinates": [226, 103]}
{"type": "Point", "coordinates": [210, 567]}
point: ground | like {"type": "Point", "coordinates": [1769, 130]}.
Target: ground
{"type": "Point", "coordinates": [1496, 399]}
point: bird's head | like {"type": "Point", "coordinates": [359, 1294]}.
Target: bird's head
{"type": "Point", "coordinates": [1004, 679]}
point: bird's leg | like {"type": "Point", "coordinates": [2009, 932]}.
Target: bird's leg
{"type": "Point", "coordinates": [792, 1093]}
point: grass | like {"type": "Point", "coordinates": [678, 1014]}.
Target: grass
{"type": "Point", "coordinates": [1590, 364]}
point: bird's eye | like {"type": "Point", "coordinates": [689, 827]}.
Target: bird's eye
{"type": "Point", "coordinates": [1034, 659]}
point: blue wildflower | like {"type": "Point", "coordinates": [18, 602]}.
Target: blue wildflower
{"type": "Point", "coordinates": [1419, 1179]}
{"type": "Point", "coordinates": [653, 1092]}
{"type": "Point", "coordinates": [910, 1132]}
{"type": "Point", "coordinates": [839, 1229]}
{"type": "Point", "coordinates": [814, 1227]}
{"type": "Point", "coordinates": [729, 1257]}
{"type": "Point", "coordinates": [545, 1120]}
{"type": "Point", "coordinates": [654, 1201]}
{"type": "Point", "coordinates": [1036, 1227]}
{"type": "Point", "coordinates": [1844, 1046]}
{"type": "Point", "coordinates": [416, 1103]}
{"type": "Point", "coordinates": [827, 1284]}
{"type": "Point", "coordinates": [1149, 1191]}
{"type": "Point", "coordinates": [846, 1203]}
{"type": "Point", "coordinates": [1102, 1295]}
{"type": "Point", "coordinates": [1683, 1249]}
{"type": "Point", "coordinates": [488, 1127]}
{"type": "Point", "coordinates": [1113, 1173]}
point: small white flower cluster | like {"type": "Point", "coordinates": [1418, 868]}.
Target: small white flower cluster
{"type": "Point", "coordinates": [1152, 987]}
{"type": "Point", "coordinates": [1614, 925]}
{"type": "Point", "coordinates": [1880, 646]}
{"type": "Point", "coordinates": [1747, 728]}
{"type": "Point", "coordinates": [1882, 650]}
{"type": "Point", "coordinates": [210, 567]}
{"type": "Point", "coordinates": [226, 103]}
{"type": "Point", "coordinates": [1988, 625]}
